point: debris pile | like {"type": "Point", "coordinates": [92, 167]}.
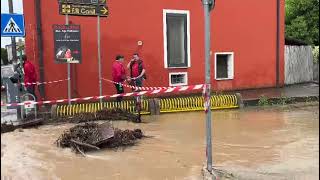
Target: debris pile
{"type": "Point", "coordinates": [6, 127]}
{"type": "Point", "coordinates": [105, 114]}
{"type": "Point", "coordinates": [124, 138]}
{"type": "Point", "coordinates": [116, 114]}
{"type": "Point", "coordinates": [29, 117]}
{"type": "Point", "coordinates": [93, 136]}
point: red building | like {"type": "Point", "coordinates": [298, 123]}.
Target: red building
{"type": "Point", "coordinates": [244, 40]}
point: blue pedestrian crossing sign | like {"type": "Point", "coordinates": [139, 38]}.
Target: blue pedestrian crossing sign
{"type": "Point", "coordinates": [12, 25]}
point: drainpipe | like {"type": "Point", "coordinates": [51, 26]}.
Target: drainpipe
{"type": "Point", "coordinates": [278, 46]}
{"type": "Point", "coordinates": [40, 46]}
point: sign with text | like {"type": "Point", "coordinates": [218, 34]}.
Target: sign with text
{"type": "Point", "coordinates": [100, 2]}
{"type": "Point", "coordinates": [67, 43]}
{"type": "Point", "coordinates": [83, 10]}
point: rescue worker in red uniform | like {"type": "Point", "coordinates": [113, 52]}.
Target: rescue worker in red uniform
{"type": "Point", "coordinates": [138, 75]}
{"type": "Point", "coordinates": [137, 70]}
{"type": "Point", "coordinates": [30, 75]}
{"type": "Point", "coordinates": [119, 75]}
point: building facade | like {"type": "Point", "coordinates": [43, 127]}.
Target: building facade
{"type": "Point", "coordinates": [246, 37]}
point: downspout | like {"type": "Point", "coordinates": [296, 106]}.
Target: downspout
{"type": "Point", "coordinates": [40, 46]}
{"type": "Point", "coordinates": [278, 46]}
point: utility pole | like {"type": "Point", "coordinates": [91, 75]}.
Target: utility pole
{"type": "Point", "coordinates": [13, 39]}
{"type": "Point", "coordinates": [208, 6]}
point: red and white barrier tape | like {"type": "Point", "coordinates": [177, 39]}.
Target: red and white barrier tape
{"type": "Point", "coordinates": [136, 87]}
{"type": "Point", "coordinates": [48, 82]}
{"type": "Point", "coordinates": [151, 92]}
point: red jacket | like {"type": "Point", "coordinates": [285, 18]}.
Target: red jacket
{"type": "Point", "coordinates": [30, 75]}
{"type": "Point", "coordinates": [118, 72]}
{"type": "Point", "coordinates": [135, 69]}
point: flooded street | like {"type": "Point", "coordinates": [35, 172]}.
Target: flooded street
{"type": "Point", "coordinates": [252, 143]}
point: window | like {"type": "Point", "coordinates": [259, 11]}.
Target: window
{"type": "Point", "coordinates": [224, 66]}
{"type": "Point", "coordinates": [176, 39]}
{"type": "Point", "coordinates": [178, 79]}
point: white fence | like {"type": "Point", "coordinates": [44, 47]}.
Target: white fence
{"type": "Point", "coordinates": [298, 64]}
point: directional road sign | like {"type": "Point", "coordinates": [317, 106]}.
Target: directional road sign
{"type": "Point", "coordinates": [83, 10]}
{"type": "Point", "coordinates": [12, 25]}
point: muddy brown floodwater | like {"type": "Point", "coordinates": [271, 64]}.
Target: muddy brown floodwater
{"type": "Point", "coordinates": [251, 143]}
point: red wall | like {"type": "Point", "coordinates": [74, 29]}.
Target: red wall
{"type": "Point", "coordinates": [248, 28]}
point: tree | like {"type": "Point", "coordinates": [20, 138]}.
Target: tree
{"type": "Point", "coordinates": [4, 56]}
{"type": "Point", "coordinates": [302, 20]}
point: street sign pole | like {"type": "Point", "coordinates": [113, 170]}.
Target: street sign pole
{"type": "Point", "coordinates": [69, 69]}
{"type": "Point", "coordinates": [207, 6]}
{"type": "Point", "coordinates": [13, 39]}
{"type": "Point", "coordinates": [99, 57]}
{"type": "Point", "coordinates": [20, 51]}
{"type": "Point", "coordinates": [97, 8]}
{"type": "Point", "coordinates": [14, 53]}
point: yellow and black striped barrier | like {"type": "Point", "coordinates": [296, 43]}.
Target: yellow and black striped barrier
{"type": "Point", "coordinates": [196, 103]}
{"type": "Point", "coordinates": [71, 110]}
{"type": "Point", "coordinates": [165, 105]}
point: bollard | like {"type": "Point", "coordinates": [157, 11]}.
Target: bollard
{"type": "Point", "coordinates": [240, 100]}
{"type": "Point", "coordinates": [156, 102]}
{"type": "Point", "coordinates": [151, 107]}
{"type": "Point", "coordinates": [54, 111]}
{"type": "Point", "coordinates": [154, 106]}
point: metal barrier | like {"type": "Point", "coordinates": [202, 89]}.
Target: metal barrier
{"type": "Point", "coordinates": [71, 110]}
{"type": "Point", "coordinates": [176, 104]}
{"type": "Point", "coordinates": [26, 108]}
{"type": "Point", "coordinates": [196, 103]}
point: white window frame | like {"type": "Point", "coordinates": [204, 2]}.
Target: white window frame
{"type": "Point", "coordinates": [172, 11]}
{"type": "Point", "coordinates": [231, 73]}
{"type": "Point", "coordinates": [180, 84]}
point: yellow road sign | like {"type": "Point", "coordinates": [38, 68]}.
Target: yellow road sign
{"type": "Point", "coordinates": [104, 11]}
{"type": "Point", "coordinates": [83, 10]}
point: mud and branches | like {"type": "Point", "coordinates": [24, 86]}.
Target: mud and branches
{"type": "Point", "coordinates": [93, 136]}
{"type": "Point", "coordinates": [105, 114]}
{"type": "Point", "coordinates": [7, 127]}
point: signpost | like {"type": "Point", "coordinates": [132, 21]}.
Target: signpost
{"type": "Point", "coordinates": [69, 70]}
{"type": "Point", "coordinates": [97, 8]}
{"type": "Point", "coordinates": [208, 5]}
{"type": "Point", "coordinates": [12, 25]}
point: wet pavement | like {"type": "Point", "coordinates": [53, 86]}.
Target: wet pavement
{"type": "Point", "coordinates": [7, 115]}
{"type": "Point", "coordinates": [296, 91]}
{"type": "Point", "coordinates": [252, 143]}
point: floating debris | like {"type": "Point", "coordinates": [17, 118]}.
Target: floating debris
{"type": "Point", "coordinates": [93, 136]}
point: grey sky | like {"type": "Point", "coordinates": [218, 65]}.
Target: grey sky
{"type": "Point", "coordinates": [17, 8]}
